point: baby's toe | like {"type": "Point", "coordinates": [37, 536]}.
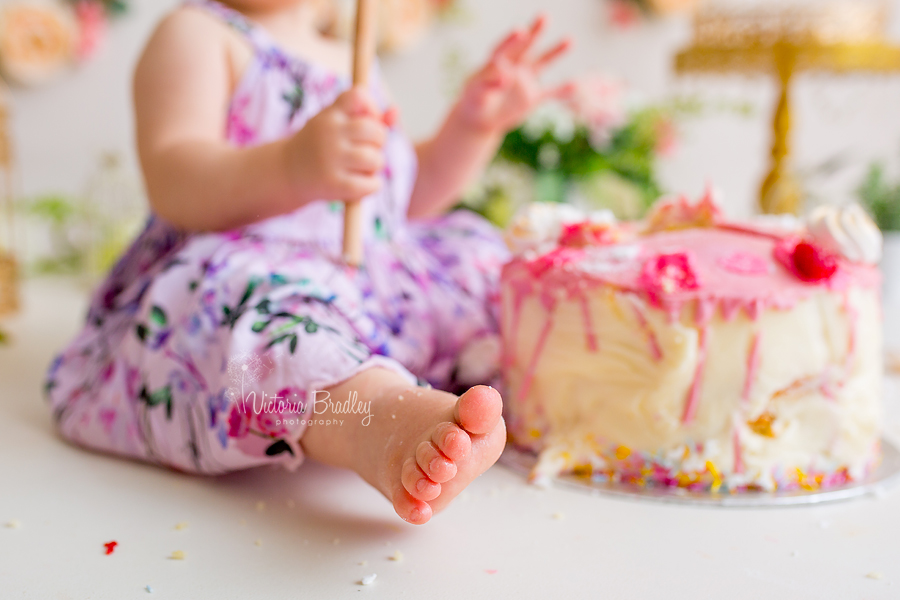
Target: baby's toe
{"type": "Point", "coordinates": [478, 410]}
{"type": "Point", "coordinates": [438, 467]}
{"type": "Point", "coordinates": [453, 442]}
{"type": "Point", "coordinates": [410, 509]}
{"type": "Point", "coordinates": [417, 483]}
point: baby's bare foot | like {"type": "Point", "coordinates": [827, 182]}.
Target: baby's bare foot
{"type": "Point", "coordinates": [421, 447]}
{"type": "Point", "coordinates": [438, 463]}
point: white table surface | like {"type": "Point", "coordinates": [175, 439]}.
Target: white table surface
{"type": "Point", "coordinates": [501, 539]}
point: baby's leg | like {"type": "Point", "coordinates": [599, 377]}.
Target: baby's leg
{"type": "Point", "coordinates": [421, 447]}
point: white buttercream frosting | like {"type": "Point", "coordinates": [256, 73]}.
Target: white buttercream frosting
{"type": "Point", "coordinates": [847, 231]}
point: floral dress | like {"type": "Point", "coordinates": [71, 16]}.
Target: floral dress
{"type": "Point", "coordinates": [205, 352]}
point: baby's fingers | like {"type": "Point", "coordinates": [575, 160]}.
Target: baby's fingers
{"type": "Point", "coordinates": [356, 186]}
{"type": "Point", "coordinates": [367, 131]}
{"type": "Point", "coordinates": [517, 51]}
{"type": "Point", "coordinates": [504, 47]}
{"type": "Point", "coordinates": [365, 160]}
{"type": "Point", "coordinates": [563, 91]}
{"type": "Point", "coordinates": [358, 102]}
{"type": "Point", "coordinates": [551, 55]}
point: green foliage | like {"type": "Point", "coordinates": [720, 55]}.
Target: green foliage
{"type": "Point", "coordinates": [881, 198]}
{"type": "Point", "coordinates": [630, 153]}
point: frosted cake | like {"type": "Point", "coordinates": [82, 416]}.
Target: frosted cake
{"type": "Point", "coordinates": [689, 350]}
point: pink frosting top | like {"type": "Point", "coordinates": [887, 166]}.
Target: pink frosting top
{"type": "Point", "coordinates": [732, 265]}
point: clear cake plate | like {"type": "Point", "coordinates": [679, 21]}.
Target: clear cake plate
{"type": "Point", "coordinates": [878, 483]}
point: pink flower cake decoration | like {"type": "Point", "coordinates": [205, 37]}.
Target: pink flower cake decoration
{"type": "Point", "coordinates": [666, 274]}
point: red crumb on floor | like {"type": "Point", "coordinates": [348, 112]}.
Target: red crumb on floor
{"type": "Point", "coordinates": [110, 547]}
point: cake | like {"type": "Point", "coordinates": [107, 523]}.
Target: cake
{"type": "Point", "coordinates": [694, 351]}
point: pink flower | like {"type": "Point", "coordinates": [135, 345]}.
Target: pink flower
{"type": "Point", "coordinates": [91, 17]}
{"type": "Point", "coordinates": [624, 14]}
{"type": "Point", "coordinates": [587, 233]}
{"type": "Point", "coordinates": [238, 423]}
{"type": "Point", "coordinates": [666, 137]}
{"type": "Point", "coordinates": [807, 261]}
{"type": "Point", "coordinates": [272, 424]}
{"type": "Point", "coordinates": [666, 274]}
{"type": "Point", "coordinates": [597, 102]}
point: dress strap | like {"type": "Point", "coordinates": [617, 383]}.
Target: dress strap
{"type": "Point", "coordinates": [259, 38]}
{"type": "Point", "coordinates": [254, 34]}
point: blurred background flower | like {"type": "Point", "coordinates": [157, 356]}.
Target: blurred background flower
{"type": "Point", "coordinates": [588, 149]}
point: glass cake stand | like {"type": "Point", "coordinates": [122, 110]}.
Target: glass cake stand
{"type": "Point", "coordinates": [876, 484]}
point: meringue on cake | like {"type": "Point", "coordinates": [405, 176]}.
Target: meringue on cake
{"type": "Point", "coordinates": [689, 350]}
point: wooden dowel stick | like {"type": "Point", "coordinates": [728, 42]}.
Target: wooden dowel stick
{"type": "Point", "coordinates": [363, 56]}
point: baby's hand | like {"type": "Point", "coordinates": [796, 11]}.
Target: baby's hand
{"type": "Point", "coordinates": [339, 153]}
{"type": "Point", "coordinates": [502, 94]}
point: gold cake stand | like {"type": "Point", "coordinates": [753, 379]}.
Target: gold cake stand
{"type": "Point", "coordinates": [784, 57]}
{"type": "Point", "coordinates": [884, 478]}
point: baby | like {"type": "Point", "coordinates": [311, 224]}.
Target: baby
{"type": "Point", "coordinates": [231, 335]}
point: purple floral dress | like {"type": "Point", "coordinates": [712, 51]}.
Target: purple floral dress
{"type": "Point", "coordinates": [202, 351]}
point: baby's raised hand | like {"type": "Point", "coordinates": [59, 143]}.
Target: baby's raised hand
{"type": "Point", "coordinates": [502, 94]}
{"type": "Point", "coordinates": [339, 153]}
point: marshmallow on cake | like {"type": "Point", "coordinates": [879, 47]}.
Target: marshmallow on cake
{"type": "Point", "coordinates": [694, 351]}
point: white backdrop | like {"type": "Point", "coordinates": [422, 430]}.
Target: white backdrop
{"type": "Point", "coordinates": [62, 129]}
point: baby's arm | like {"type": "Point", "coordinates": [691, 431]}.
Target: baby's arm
{"type": "Point", "coordinates": [496, 99]}
{"type": "Point", "coordinates": [197, 180]}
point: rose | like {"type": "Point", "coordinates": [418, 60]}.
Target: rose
{"type": "Point", "coordinates": [36, 41]}
{"type": "Point", "coordinates": [238, 423]}
{"type": "Point", "coordinates": [666, 274]}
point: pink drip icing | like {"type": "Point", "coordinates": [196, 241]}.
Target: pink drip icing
{"type": "Point", "coordinates": [851, 342]}
{"type": "Point", "coordinates": [753, 309]}
{"type": "Point", "coordinates": [589, 332]}
{"type": "Point", "coordinates": [752, 367]}
{"type": "Point", "coordinates": [730, 308]}
{"type": "Point", "coordinates": [655, 350]}
{"type": "Point", "coordinates": [738, 454]}
{"type": "Point", "coordinates": [520, 290]}
{"type": "Point", "coordinates": [704, 311]}
{"type": "Point", "coordinates": [535, 358]}
{"type": "Point", "coordinates": [693, 399]}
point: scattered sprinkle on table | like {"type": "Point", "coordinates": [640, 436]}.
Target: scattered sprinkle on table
{"type": "Point", "coordinates": [110, 547]}
{"type": "Point", "coordinates": [369, 579]}
{"type": "Point", "coordinates": [181, 526]}
{"type": "Point", "coordinates": [177, 555]}
{"type": "Point", "coordinates": [363, 563]}
{"type": "Point", "coordinates": [397, 556]}
{"type": "Point", "coordinates": [261, 506]}
{"type": "Point", "coordinates": [558, 516]}
{"type": "Point", "coordinates": [875, 575]}
{"type": "Point", "coordinates": [491, 571]}
{"type": "Point", "coordinates": [14, 524]}
{"type": "Point", "coordinates": [258, 542]}
{"type": "Point", "coordinates": [149, 589]}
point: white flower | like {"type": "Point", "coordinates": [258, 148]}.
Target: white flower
{"type": "Point", "coordinates": [553, 118]}
{"type": "Point", "coordinates": [548, 156]}
{"type": "Point", "coordinates": [598, 103]}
